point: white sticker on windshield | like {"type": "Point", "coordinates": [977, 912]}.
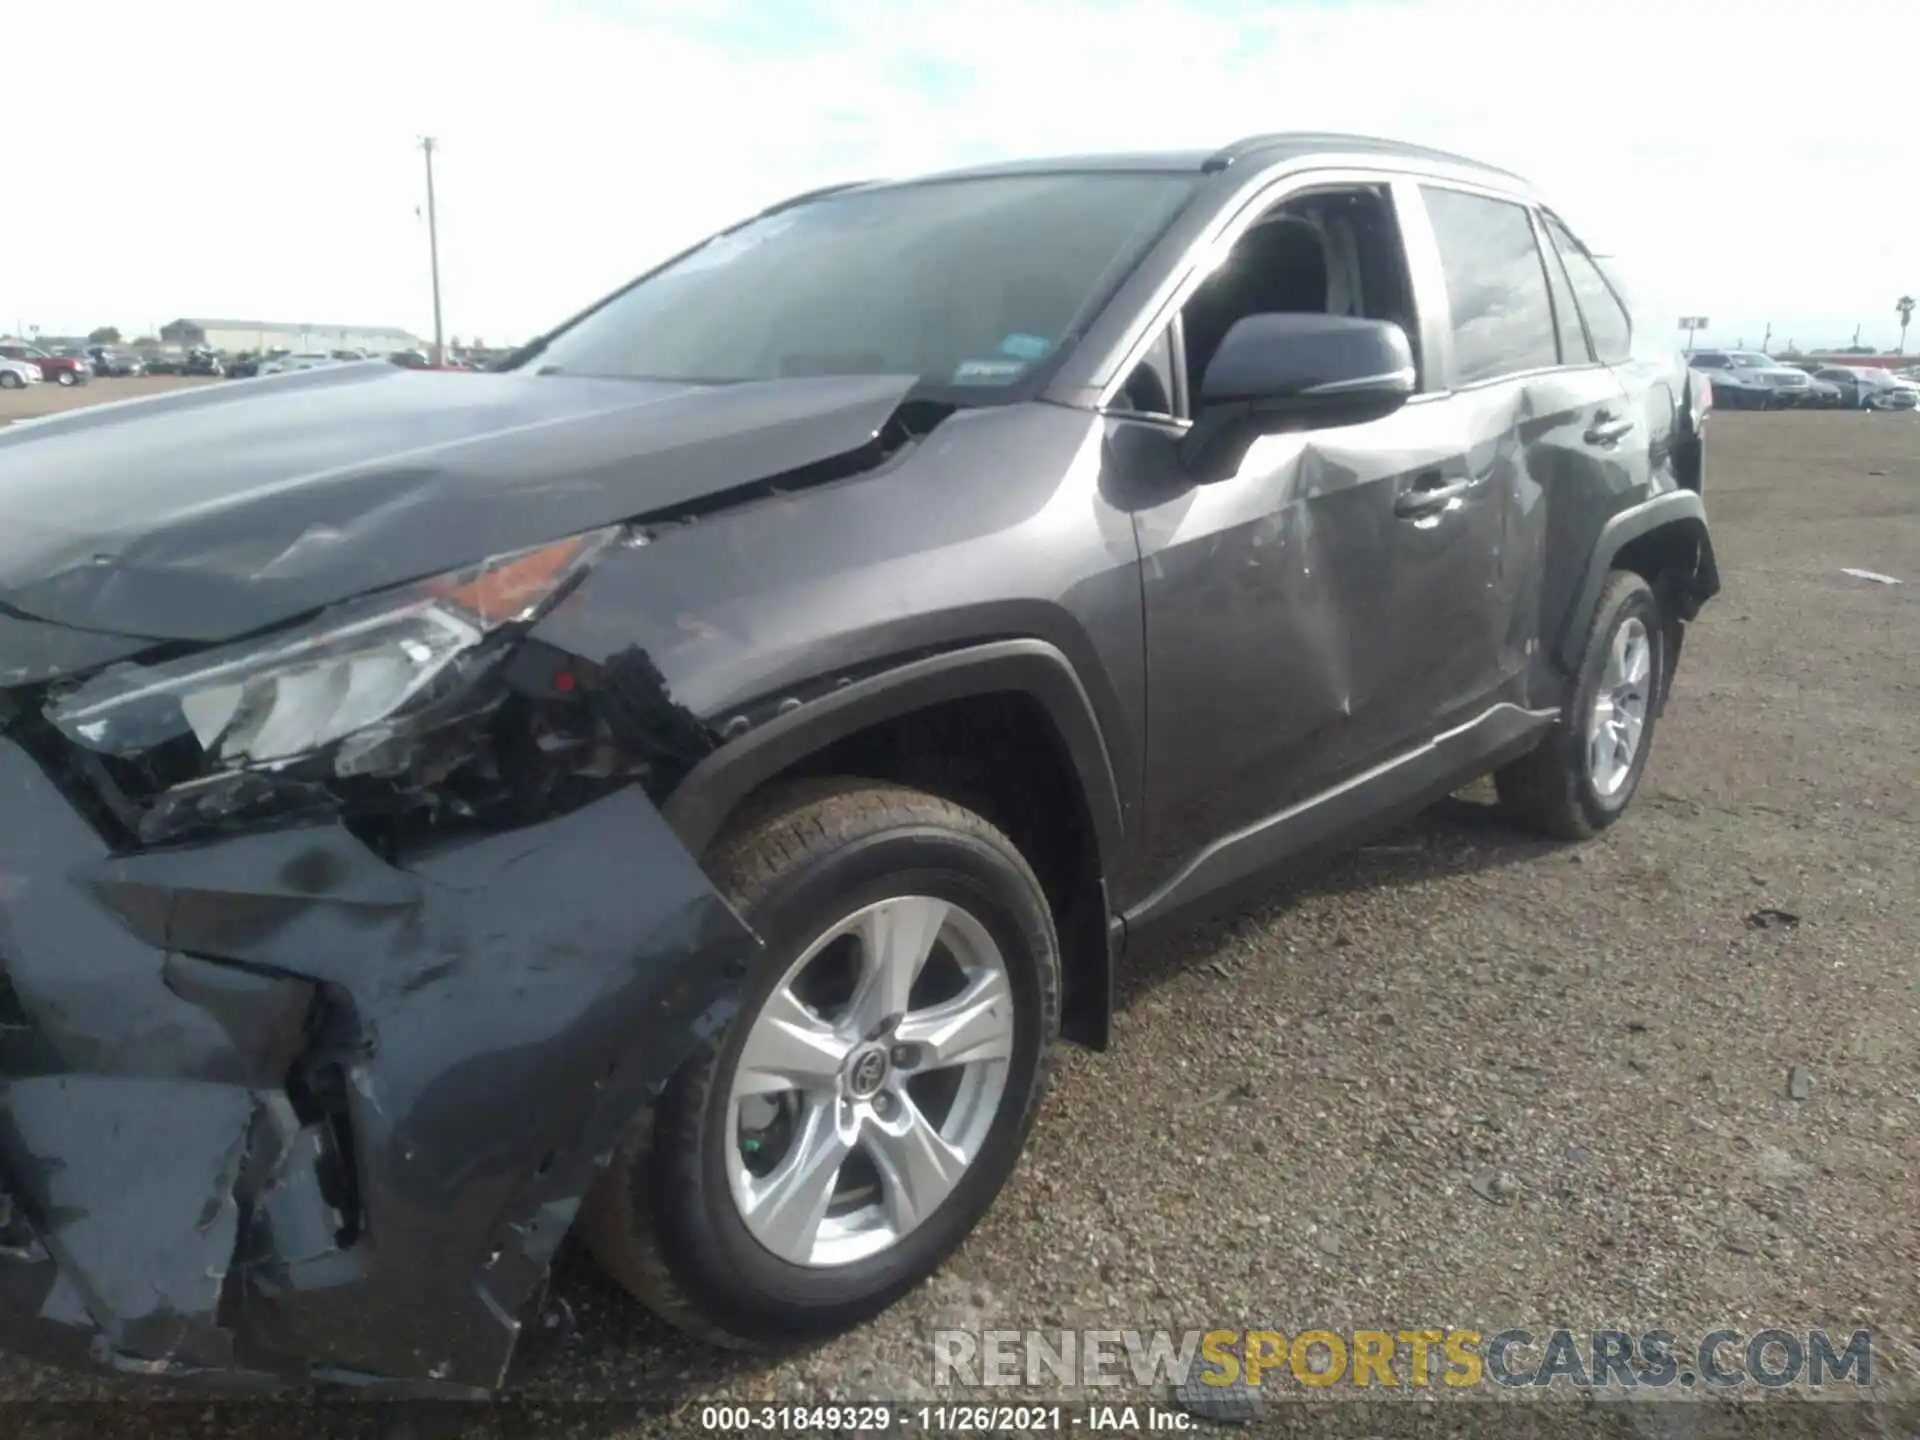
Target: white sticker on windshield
{"type": "Point", "coordinates": [988, 372]}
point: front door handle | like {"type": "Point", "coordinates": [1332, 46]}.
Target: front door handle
{"type": "Point", "coordinates": [1608, 429]}
{"type": "Point", "coordinates": [1428, 494]}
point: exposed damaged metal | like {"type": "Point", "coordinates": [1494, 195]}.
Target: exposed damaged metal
{"type": "Point", "coordinates": [383, 754]}
{"type": "Point", "coordinates": [314, 1036]}
{"type": "Point", "coordinates": [361, 1099]}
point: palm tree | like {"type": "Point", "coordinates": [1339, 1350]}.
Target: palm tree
{"type": "Point", "coordinates": [1904, 307]}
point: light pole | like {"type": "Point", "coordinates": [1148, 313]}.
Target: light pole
{"type": "Point", "coordinates": [433, 252]}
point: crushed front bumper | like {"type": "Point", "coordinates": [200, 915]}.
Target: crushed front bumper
{"type": "Point", "coordinates": [275, 1109]}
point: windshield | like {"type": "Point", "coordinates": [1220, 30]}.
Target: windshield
{"type": "Point", "coordinates": [1748, 360]}
{"type": "Point", "coordinates": [963, 283]}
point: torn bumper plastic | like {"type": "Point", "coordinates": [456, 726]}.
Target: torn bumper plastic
{"type": "Point", "coordinates": [275, 1109]}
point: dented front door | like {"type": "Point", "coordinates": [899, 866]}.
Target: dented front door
{"type": "Point", "coordinates": [1301, 618]}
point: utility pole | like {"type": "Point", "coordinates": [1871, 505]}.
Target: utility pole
{"type": "Point", "coordinates": [433, 252]}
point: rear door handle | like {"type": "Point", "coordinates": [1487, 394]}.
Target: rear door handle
{"type": "Point", "coordinates": [1608, 429]}
{"type": "Point", "coordinates": [1428, 494]}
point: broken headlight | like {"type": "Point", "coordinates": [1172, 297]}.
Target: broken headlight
{"type": "Point", "coordinates": [353, 681]}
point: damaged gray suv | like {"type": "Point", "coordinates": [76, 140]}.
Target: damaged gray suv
{"type": "Point", "coordinates": [678, 789]}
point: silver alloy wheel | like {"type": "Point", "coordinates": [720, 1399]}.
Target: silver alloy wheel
{"type": "Point", "coordinates": [1620, 708]}
{"type": "Point", "coordinates": [864, 1162]}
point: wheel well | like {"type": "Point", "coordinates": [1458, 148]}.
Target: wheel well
{"type": "Point", "coordinates": [1671, 558]}
{"type": "Point", "coordinates": [1000, 756]}
{"type": "Point", "coordinates": [1676, 560]}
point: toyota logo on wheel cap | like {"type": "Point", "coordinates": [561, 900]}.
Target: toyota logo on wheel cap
{"type": "Point", "coordinates": [867, 1073]}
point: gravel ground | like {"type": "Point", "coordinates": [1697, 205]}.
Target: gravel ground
{"type": "Point", "coordinates": [1467, 1078]}
{"type": "Point", "coordinates": [48, 398]}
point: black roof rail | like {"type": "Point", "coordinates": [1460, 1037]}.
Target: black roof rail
{"type": "Point", "coordinates": [1302, 140]}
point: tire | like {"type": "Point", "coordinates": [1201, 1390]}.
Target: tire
{"type": "Point", "coordinates": [1558, 788]}
{"type": "Point", "coordinates": [11, 381]}
{"type": "Point", "coordinates": [67, 377]}
{"type": "Point", "coordinates": [667, 1221]}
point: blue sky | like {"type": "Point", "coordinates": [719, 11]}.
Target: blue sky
{"type": "Point", "coordinates": [1748, 162]}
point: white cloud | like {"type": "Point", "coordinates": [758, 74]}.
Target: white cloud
{"type": "Point", "coordinates": [1747, 162]}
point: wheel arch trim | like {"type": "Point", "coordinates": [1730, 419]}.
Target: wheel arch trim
{"type": "Point", "coordinates": [700, 804]}
{"type": "Point", "coordinates": [1674, 508]}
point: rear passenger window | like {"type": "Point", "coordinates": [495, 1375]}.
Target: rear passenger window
{"type": "Point", "coordinates": [1574, 349]}
{"type": "Point", "coordinates": [1496, 286]}
{"type": "Point", "coordinates": [1606, 317]}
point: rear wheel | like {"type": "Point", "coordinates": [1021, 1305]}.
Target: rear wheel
{"type": "Point", "coordinates": [844, 1135]}
{"type": "Point", "coordinates": [1581, 778]}
{"type": "Point", "coordinates": [67, 377]}
{"type": "Point", "coordinates": [11, 381]}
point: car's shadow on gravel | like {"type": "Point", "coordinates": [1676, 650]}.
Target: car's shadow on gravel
{"type": "Point", "coordinates": [593, 1342]}
{"type": "Point", "coordinates": [1461, 835]}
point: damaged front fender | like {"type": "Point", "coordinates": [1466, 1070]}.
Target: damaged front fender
{"type": "Point", "coordinates": [275, 1107]}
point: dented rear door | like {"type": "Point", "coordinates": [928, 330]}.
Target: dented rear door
{"type": "Point", "coordinates": [1547, 434]}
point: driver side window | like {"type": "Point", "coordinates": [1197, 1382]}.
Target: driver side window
{"type": "Point", "coordinates": [1330, 252]}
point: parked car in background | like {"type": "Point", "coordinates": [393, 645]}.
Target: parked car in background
{"type": "Point", "coordinates": [413, 360]}
{"type": "Point", "coordinates": [18, 374]}
{"type": "Point", "coordinates": [1823, 394]}
{"type": "Point", "coordinates": [1732, 390]}
{"type": "Point", "coordinates": [119, 363]}
{"type": "Point", "coordinates": [1777, 384]}
{"type": "Point", "coordinates": [297, 360]}
{"type": "Point", "coordinates": [1865, 388]}
{"type": "Point", "coordinates": [203, 361]}
{"type": "Point", "coordinates": [159, 362]}
{"type": "Point", "coordinates": [61, 369]}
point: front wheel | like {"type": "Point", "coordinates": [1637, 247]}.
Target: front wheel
{"type": "Point", "coordinates": [1580, 779]}
{"type": "Point", "coordinates": [67, 377]}
{"type": "Point", "coordinates": [851, 1127]}
{"type": "Point", "coordinates": [11, 381]}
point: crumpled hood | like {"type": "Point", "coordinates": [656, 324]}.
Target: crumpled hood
{"type": "Point", "coordinates": [210, 513]}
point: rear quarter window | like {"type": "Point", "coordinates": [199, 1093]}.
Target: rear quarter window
{"type": "Point", "coordinates": [1605, 313]}
{"type": "Point", "coordinates": [1502, 318]}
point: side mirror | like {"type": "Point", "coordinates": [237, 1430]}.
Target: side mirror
{"type": "Point", "coordinates": [1277, 372]}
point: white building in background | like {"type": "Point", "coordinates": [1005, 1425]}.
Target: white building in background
{"type": "Point", "coordinates": [233, 336]}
